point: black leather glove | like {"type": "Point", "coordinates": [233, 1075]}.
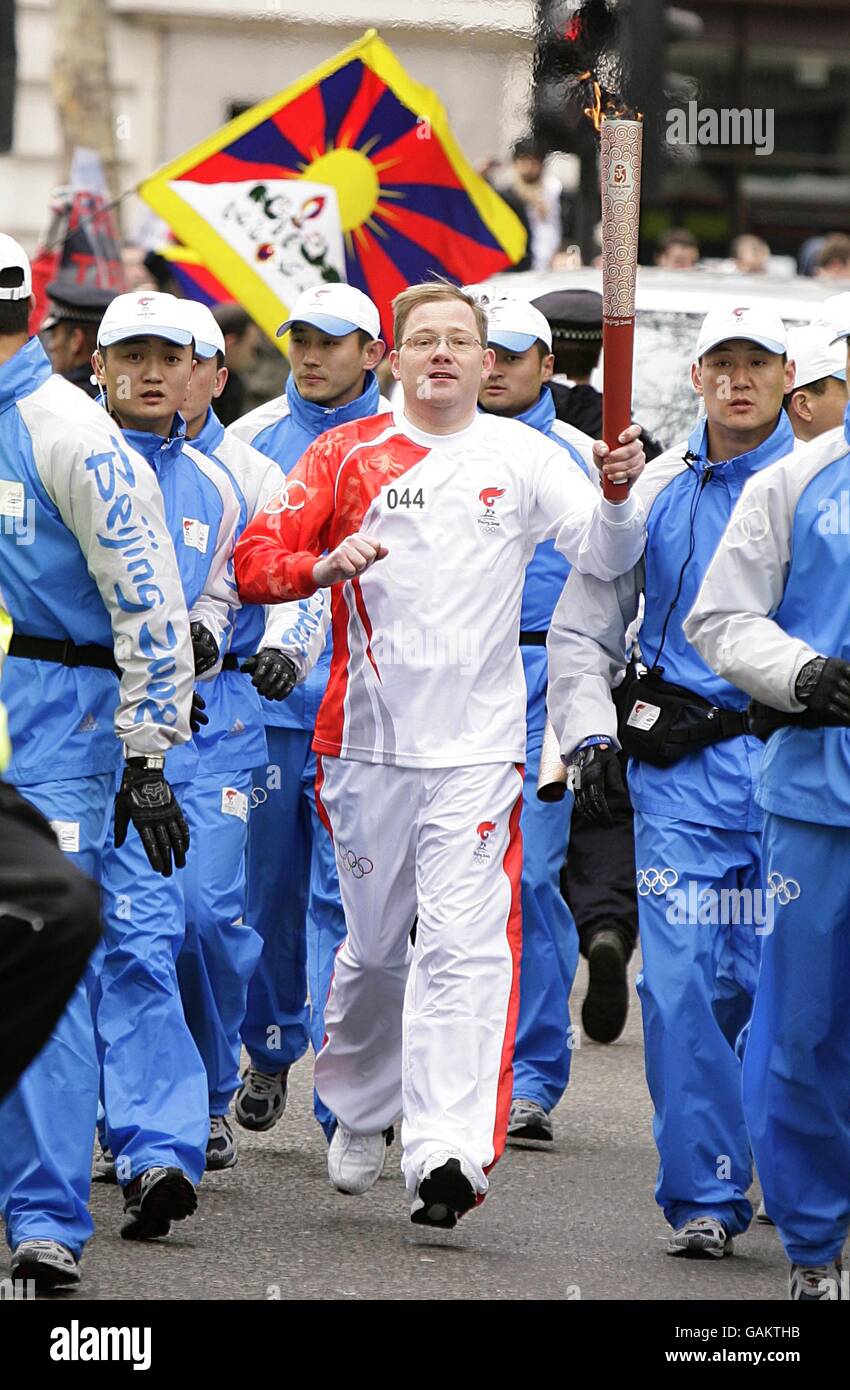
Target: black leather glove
{"type": "Point", "coordinates": [272, 672]}
{"type": "Point", "coordinates": [595, 771]}
{"type": "Point", "coordinates": [823, 686]}
{"type": "Point", "coordinates": [146, 799]}
{"type": "Point", "coordinates": [204, 648]}
{"type": "Point", "coordinates": [196, 715]}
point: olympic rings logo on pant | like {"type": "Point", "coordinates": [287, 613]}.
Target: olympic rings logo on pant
{"type": "Point", "coordinates": [784, 890]}
{"type": "Point", "coordinates": [657, 881]}
{"type": "Point", "coordinates": [357, 867]}
{"type": "Point", "coordinates": [259, 796]}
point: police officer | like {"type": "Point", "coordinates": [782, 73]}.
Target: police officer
{"type": "Point", "coordinates": [101, 647]}
{"type": "Point", "coordinates": [69, 330]}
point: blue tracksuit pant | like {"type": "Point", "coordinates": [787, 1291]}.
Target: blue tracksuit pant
{"type": "Point", "coordinates": [797, 1065]}
{"type": "Point", "coordinates": [696, 988]}
{"type": "Point", "coordinates": [294, 904]}
{"type": "Point", "coordinates": [47, 1122]}
{"type": "Point", "coordinates": [155, 1091]}
{"type": "Point", "coordinates": [542, 1051]}
{"type": "Point", "coordinates": [220, 949]}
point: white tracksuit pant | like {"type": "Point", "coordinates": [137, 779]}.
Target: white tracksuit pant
{"type": "Point", "coordinates": [427, 1034]}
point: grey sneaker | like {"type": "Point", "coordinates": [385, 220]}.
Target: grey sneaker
{"type": "Point", "coordinates": [261, 1099]}
{"type": "Point", "coordinates": [818, 1284]}
{"type": "Point", "coordinates": [528, 1120]}
{"type": "Point", "coordinates": [104, 1167]}
{"type": "Point", "coordinates": [221, 1145]}
{"type": "Point", "coordinates": [47, 1263]}
{"type": "Point", "coordinates": [702, 1238]}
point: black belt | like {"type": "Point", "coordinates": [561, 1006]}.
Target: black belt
{"type": "Point", "coordinates": [230, 662]}
{"type": "Point", "coordinates": [533, 639]}
{"type": "Point", "coordinates": [65, 653]}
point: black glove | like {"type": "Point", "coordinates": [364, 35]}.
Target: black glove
{"type": "Point", "coordinates": [272, 672]}
{"type": "Point", "coordinates": [595, 771]}
{"type": "Point", "coordinates": [146, 799]}
{"type": "Point", "coordinates": [204, 648]}
{"type": "Point", "coordinates": [823, 686]}
{"type": "Point", "coordinates": [196, 715]}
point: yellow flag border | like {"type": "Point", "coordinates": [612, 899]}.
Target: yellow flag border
{"type": "Point", "coordinates": [229, 267]}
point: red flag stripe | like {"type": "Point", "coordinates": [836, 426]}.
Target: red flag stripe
{"type": "Point", "coordinates": [368, 95]}
{"type": "Point", "coordinates": [302, 121]}
{"type": "Point", "coordinates": [414, 159]}
{"type": "Point", "coordinates": [468, 258]}
{"type": "Point", "coordinates": [224, 168]}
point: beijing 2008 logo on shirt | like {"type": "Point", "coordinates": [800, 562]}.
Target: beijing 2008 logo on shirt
{"type": "Point", "coordinates": [488, 520]}
{"type": "Point", "coordinates": [481, 853]}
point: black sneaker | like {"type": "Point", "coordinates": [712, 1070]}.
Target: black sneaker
{"type": "Point", "coordinates": [261, 1099]}
{"type": "Point", "coordinates": [606, 1004]}
{"type": "Point", "coordinates": [153, 1200]}
{"type": "Point", "coordinates": [444, 1193]}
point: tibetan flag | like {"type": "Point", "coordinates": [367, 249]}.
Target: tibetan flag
{"type": "Point", "coordinates": [193, 277]}
{"type": "Point", "coordinates": [389, 200]}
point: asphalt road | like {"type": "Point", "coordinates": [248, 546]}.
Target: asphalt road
{"type": "Point", "coordinates": [575, 1219]}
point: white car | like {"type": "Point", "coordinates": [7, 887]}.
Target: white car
{"type": "Point", "coordinates": [670, 305]}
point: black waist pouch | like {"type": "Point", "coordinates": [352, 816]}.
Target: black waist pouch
{"type": "Point", "coordinates": [659, 722]}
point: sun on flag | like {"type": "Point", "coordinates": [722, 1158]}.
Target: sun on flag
{"type": "Point", "coordinates": [351, 173]}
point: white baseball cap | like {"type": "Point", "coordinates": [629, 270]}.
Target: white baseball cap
{"type": "Point", "coordinates": [752, 324]}
{"type": "Point", "coordinates": [835, 312]}
{"type": "Point", "coordinates": [335, 309]}
{"type": "Point", "coordinates": [516, 325]}
{"type": "Point", "coordinates": [142, 314]}
{"type": "Point", "coordinates": [14, 257]}
{"type": "Point", "coordinates": [198, 318]}
{"type": "Point", "coordinates": [816, 355]}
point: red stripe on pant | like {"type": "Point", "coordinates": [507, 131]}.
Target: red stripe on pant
{"type": "Point", "coordinates": [512, 866]}
{"type": "Point", "coordinates": [326, 822]}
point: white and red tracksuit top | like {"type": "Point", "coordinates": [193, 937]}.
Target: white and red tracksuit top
{"type": "Point", "coordinates": [426, 667]}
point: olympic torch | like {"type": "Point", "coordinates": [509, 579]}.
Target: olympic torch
{"type": "Point", "coordinates": [621, 141]}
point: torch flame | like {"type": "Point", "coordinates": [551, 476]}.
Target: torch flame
{"type": "Point", "coordinates": [606, 106]}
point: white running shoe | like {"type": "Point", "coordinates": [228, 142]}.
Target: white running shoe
{"type": "Point", "coordinates": [817, 1284]}
{"type": "Point", "coordinates": [356, 1161]}
{"type": "Point", "coordinates": [49, 1264]}
{"type": "Point", "coordinates": [702, 1238]}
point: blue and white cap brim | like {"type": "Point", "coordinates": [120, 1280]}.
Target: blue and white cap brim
{"type": "Point", "coordinates": [844, 333]}
{"type": "Point", "coordinates": [769, 344]}
{"type": "Point", "coordinates": [205, 350]}
{"type": "Point", "coordinates": [326, 323]}
{"type": "Point", "coordinates": [511, 342]}
{"type": "Point", "coordinates": [180, 336]}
